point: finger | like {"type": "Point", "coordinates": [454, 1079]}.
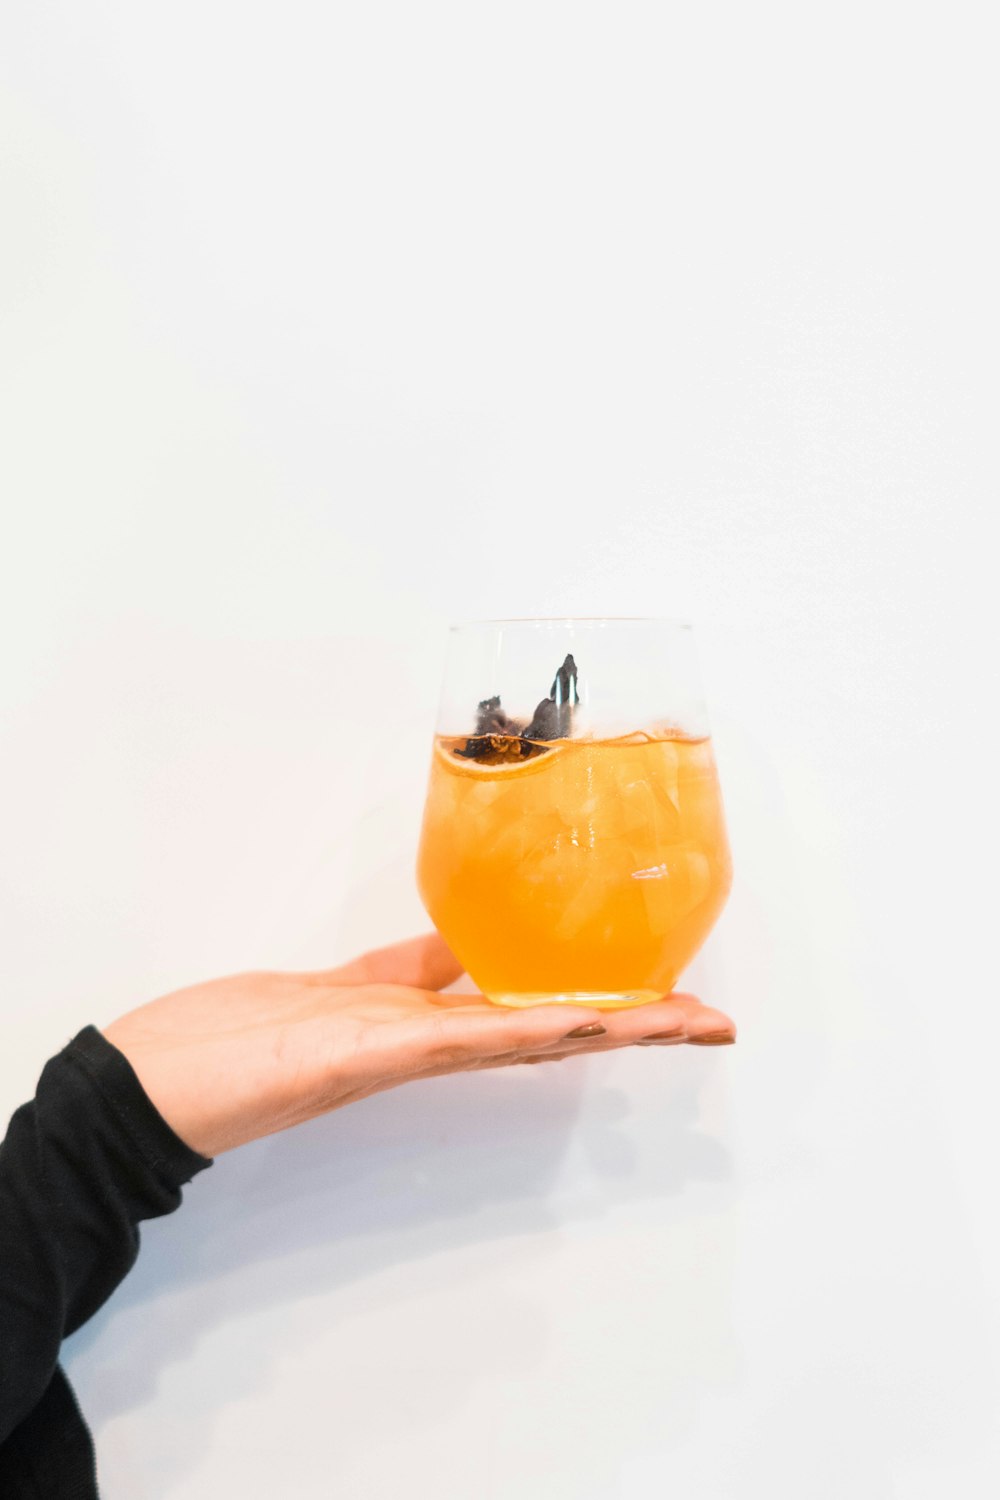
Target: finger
{"type": "Point", "coordinates": [630, 1024]}
{"type": "Point", "coordinates": [719, 1037]}
{"type": "Point", "coordinates": [672, 1021]}
{"type": "Point", "coordinates": [425, 963]}
{"type": "Point", "coordinates": [452, 1039]}
{"type": "Point", "coordinates": [704, 1025]}
{"type": "Point", "coordinates": [451, 1056]}
{"type": "Point", "coordinates": [676, 1016]}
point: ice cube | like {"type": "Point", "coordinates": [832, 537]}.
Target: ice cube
{"type": "Point", "coordinates": [675, 887]}
{"type": "Point", "coordinates": [584, 908]}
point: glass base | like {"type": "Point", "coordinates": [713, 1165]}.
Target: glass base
{"type": "Point", "coordinates": [596, 999]}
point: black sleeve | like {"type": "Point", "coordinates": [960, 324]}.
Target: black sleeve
{"type": "Point", "coordinates": [82, 1164]}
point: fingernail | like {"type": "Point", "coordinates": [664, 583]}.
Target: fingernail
{"type": "Point", "coordinates": [713, 1039]}
{"type": "Point", "coordinates": [594, 1029]}
{"type": "Point", "coordinates": [665, 1036]}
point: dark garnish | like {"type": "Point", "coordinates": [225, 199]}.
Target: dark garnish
{"type": "Point", "coordinates": [554, 715]}
{"type": "Point", "coordinates": [564, 689]}
{"type": "Point", "coordinates": [491, 719]}
{"type": "Point", "coordinates": [500, 739]}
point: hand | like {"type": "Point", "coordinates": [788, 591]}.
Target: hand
{"type": "Point", "coordinates": [242, 1057]}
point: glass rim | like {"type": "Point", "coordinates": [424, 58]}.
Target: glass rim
{"type": "Point", "coordinates": [480, 624]}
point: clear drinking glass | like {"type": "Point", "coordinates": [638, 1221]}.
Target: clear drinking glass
{"type": "Point", "coordinates": [574, 846]}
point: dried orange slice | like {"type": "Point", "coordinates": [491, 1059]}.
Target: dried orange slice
{"type": "Point", "coordinates": [445, 750]}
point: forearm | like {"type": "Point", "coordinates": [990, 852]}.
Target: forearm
{"type": "Point", "coordinates": [82, 1164]}
{"type": "Point", "coordinates": [33, 1311]}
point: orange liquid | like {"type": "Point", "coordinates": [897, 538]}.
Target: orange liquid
{"type": "Point", "coordinates": [591, 874]}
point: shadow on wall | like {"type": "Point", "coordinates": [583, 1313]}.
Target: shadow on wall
{"type": "Point", "coordinates": [396, 1179]}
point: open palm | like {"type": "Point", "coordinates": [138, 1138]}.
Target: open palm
{"type": "Point", "coordinates": [236, 1058]}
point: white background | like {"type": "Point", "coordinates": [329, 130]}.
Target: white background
{"type": "Point", "coordinates": [325, 325]}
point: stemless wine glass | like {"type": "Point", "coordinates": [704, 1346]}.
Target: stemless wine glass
{"type": "Point", "coordinates": [573, 847]}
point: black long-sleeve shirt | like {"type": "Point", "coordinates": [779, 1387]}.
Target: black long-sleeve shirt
{"type": "Point", "coordinates": [82, 1165]}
